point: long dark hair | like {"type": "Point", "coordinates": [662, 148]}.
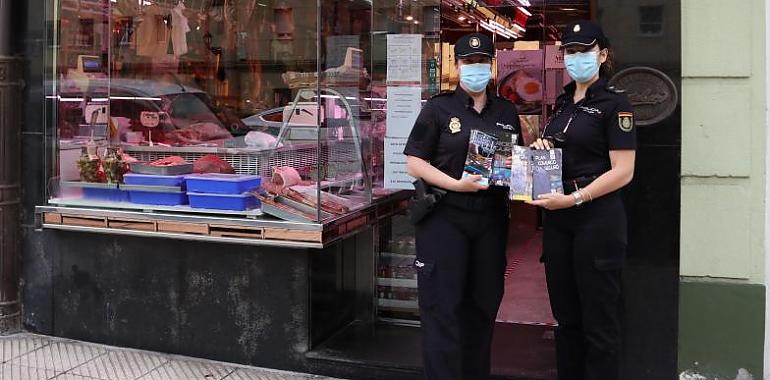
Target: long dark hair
{"type": "Point", "coordinates": [608, 67]}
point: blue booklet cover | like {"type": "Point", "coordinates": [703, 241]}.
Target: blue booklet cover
{"type": "Point", "coordinates": [481, 154]}
{"type": "Point", "coordinates": [501, 173]}
{"type": "Point", "coordinates": [546, 172]}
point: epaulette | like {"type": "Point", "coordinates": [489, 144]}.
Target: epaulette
{"type": "Point", "coordinates": [615, 90]}
{"type": "Point", "coordinates": [442, 93]}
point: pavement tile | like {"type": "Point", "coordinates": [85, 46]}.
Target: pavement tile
{"type": "Point", "coordinates": [69, 376]}
{"type": "Point", "coordinates": [255, 374]}
{"type": "Point", "coordinates": [120, 365]}
{"type": "Point", "coordinates": [188, 370]}
{"type": "Point", "coordinates": [17, 372]}
{"type": "Point", "coordinates": [59, 356]}
{"type": "Point", "coordinates": [37, 357]}
{"type": "Point", "coordinates": [17, 345]}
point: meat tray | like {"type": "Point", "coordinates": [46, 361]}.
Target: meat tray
{"type": "Point", "coordinates": [232, 202]}
{"type": "Point", "coordinates": [156, 195]}
{"type": "Point", "coordinates": [218, 183]}
{"type": "Point", "coordinates": [145, 168]}
{"type": "Point", "coordinates": [287, 209]}
{"type": "Point", "coordinates": [153, 180]}
{"type": "Point", "coordinates": [99, 191]}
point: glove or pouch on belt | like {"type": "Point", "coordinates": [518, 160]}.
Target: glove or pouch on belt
{"type": "Point", "coordinates": [423, 201]}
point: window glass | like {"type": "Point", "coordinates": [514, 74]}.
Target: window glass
{"type": "Point", "coordinates": [651, 20]}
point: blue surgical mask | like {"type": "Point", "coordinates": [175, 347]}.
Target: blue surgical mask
{"type": "Point", "coordinates": [582, 67]}
{"type": "Point", "coordinates": [476, 76]}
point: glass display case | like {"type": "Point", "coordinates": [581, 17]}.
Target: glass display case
{"type": "Point", "coordinates": [234, 109]}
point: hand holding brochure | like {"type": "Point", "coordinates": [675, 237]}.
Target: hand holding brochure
{"type": "Point", "coordinates": [535, 172]}
{"type": "Point", "coordinates": [481, 153]}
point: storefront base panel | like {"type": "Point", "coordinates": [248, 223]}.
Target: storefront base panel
{"type": "Point", "coordinates": [721, 328]}
{"type": "Point", "coordinates": [260, 306]}
{"type": "Point", "coordinates": [519, 352]}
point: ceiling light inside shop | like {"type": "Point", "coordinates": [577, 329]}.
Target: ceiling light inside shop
{"type": "Point", "coordinates": [569, 9]}
{"type": "Point", "coordinates": [525, 3]}
{"type": "Point", "coordinates": [416, 22]}
{"type": "Point", "coordinates": [461, 18]}
{"type": "Point", "coordinates": [409, 18]}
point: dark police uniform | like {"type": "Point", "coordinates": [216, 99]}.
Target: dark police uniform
{"type": "Point", "coordinates": [584, 246]}
{"type": "Point", "coordinates": [461, 244]}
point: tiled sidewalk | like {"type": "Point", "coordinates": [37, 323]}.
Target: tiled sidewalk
{"type": "Point", "coordinates": [35, 357]}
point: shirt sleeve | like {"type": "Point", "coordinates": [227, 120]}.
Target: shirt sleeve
{"type": "Point", "coordinates": [425, 134]}
{"type": "Point", "coordinates": [621, 131]}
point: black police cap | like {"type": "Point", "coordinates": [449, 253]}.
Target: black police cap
{"type": "Point", "coordinates": [474, 44]}
{"type": "Point", "coordinates": [583, 33]}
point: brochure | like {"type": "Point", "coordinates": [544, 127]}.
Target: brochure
{"type": "Point", "coordinates": [546, 172]}
{"type": "Point", "coordinates": [501, 173]}
{"type": "Point", "coordinates": [521, 174]}
{"type": "Point", "coordinates": [535, 172]}
{"type": "Point", "coordinates": [481, 154]}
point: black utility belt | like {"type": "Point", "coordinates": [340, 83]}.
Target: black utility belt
{"type": "Point", "coordinates": [574, 184]}
{"type": "Point", "coordinates": [473, 201]}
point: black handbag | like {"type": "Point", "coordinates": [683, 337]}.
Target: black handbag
{"type": "Point", "coordinates": [423, 201]}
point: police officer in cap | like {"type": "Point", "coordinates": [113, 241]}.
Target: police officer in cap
{"type": "Point", "coordinates": [584, 230]}
{"type": "Point", "coordinates": [461, 244]}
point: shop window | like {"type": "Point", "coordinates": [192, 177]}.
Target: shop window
{"type": "Point", "coordinates": [651, 21]}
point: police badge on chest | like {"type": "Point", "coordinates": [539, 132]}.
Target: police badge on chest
{"type": "Point", "coordinates": [454, 125]}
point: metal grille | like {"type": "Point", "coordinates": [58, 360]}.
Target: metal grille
{"type": "Point", "coordinates": [339, 154]}
{"type": "Point", "coordinates": [244, 163]}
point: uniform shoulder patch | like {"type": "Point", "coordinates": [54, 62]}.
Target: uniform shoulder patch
{"type": "Point", "coordinates": [626, 121]}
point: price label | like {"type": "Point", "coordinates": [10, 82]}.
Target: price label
{"type": "Point", "coordinates": [150, 119]}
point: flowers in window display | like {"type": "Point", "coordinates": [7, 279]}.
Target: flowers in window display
{"type": "Point", "coordinates": [90, 167]}
{"type": "Point", "coordinates": [114, 166]}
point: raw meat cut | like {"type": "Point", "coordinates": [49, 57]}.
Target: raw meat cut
{"type": "Point", "coordinates": [169, 161]}
{"type": "Point", "coordinates": [212, 164]}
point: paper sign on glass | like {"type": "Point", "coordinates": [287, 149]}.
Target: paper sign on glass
{"type": "Point", "coordinates": [404, 58]}
{"type": "Point", "coordinates": [396, 176]}
{"type": "Point", "coordinates": [404, 105]}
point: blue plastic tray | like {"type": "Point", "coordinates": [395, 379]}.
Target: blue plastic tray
{"type": "Point", "coordinates": [234, 202]}
{"type": "Point", "coordinates": [216, 183]}
{"type": "Point", "coordinates": [158, 199]}
{"type": "Point", "coordinates": [153, 180]}
{"type": "Point", "coordinates": [156, 195]}
{"type": "Point", "coordinates": [112, 195]}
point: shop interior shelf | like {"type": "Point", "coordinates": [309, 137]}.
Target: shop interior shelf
{"type": "Point", "coordinates": [397, 282]}
{"type": "Point", "coordinates": [79, 202]}
{"type": "Point", "coordinates": [396, 304]}
{"type": "Point", "coordinates": [397, 255]}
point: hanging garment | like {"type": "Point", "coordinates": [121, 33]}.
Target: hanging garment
{"type": "Point", "coordinates": [180, 26]}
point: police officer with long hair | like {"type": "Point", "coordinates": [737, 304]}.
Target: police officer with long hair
{"type": "Point", "coordinates": [585, 229]}
{"type": "Point", "coordinates": [461, 243]}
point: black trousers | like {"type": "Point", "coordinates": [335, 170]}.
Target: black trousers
{"type": "Point", "coordinates": [583, 251]}
{"type": "Point", "coordinates": [460, 264]}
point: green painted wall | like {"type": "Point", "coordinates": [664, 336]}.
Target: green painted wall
{"type": "Point", "coordinates": [722, 262]}
{"type": "Point", "coordinates": [721, 328]}
{"type": "Point", "coordinates": [723, 139]}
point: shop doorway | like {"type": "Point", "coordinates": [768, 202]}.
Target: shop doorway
{"type": "Point", "coordinates": [529, 73]}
